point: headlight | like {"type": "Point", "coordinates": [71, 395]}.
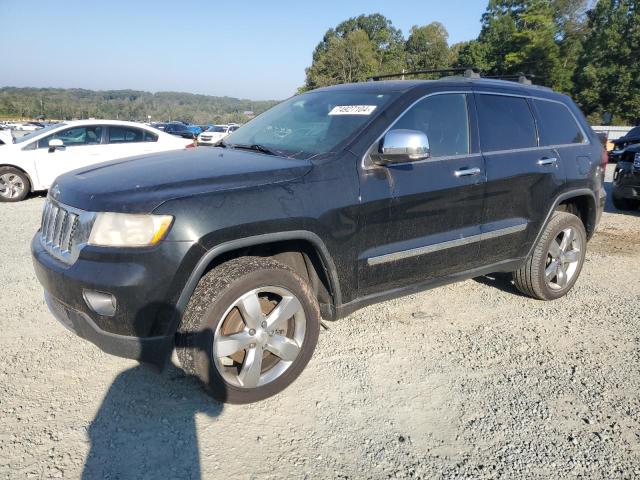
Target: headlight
{"type": "Point", "coordinates": [129, 230]}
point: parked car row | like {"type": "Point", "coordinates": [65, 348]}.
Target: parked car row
{"type": "Point", "coordinates": [31, 162]}
{"type": "Point", "coordinates": [215, 133]}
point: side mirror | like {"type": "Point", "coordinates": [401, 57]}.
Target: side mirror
{"type": "Point", "coordinates": [400, 146]}
{"type": "Point", "coordinates": [55, 143]}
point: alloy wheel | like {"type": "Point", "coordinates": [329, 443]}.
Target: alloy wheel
{"type": "Point", "coordinates": [259, 338]}
{"type": "Point", "coordinates": [563, 259]}
{"type": "Point", "coordinates": [11, 185]}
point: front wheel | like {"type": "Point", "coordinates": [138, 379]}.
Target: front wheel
{"type": "Point", "coordinates": [14, 185]}
{"type": "Point", "coordinates": [557, 259]}
{"type": "Point", "coordinates": [249, 330]}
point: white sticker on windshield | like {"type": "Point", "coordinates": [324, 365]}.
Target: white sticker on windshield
{"type": "Point", "coordinates": [352, 110]}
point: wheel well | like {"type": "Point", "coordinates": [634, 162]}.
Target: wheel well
{"type": "Point", "coordinates": [21, 170]}
{"type": "Point", "coordinates": [584, 208]}
{"type": "Point", "coordinates": [302, 257]}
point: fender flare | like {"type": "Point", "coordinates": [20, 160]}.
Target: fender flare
{"type": "Point", "coordinates": [218, 250]}
{"type": "Point", "coordinates": [560, 198]}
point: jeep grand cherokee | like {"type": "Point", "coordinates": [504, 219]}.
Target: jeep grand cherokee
{"type": "Point", "coordinates": [333, 200]}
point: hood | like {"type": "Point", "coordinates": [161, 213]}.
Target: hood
{"type": "Point", "coordinates": [140, 184]}
{"type": "Point", "coordinates": [626, 139]}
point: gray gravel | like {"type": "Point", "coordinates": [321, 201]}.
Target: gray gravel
{"type": "Point", "coordinates": [467, 380]}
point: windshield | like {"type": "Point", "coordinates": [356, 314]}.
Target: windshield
{"type": "Point", "coordinates": [309, 124]}
{"type": "Point", "coordinates": [216, 128]}
{"type": "Point", "coordinates": [36, 133]}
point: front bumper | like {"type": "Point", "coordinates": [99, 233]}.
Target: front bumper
{"type": "Point", "coordinates": [626, 181]}
{"type": "Point", "coordinates": [154, 350]}
{"type": "Point", "coordinates": [146, 284]}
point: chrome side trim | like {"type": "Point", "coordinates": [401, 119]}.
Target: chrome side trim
{"type": "Point", "coordinates": [414, 252]}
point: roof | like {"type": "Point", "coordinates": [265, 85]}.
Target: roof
{"type": "Point", "coordinates": [93, 121]}
{"type": "Point", "coordinates": [391, 86]}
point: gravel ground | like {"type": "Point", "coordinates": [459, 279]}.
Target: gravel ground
{"type": "Point", "coordinates": [467, 380]}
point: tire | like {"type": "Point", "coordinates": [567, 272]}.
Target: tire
{"type": "Point", "coordinates": [625, 203]}
{"type": "Point", "coordinates": [549, 259]}
{"type": "Point", "coordinates": [14, 185]}
{"type": "Point", "coordinates": [216, 311]}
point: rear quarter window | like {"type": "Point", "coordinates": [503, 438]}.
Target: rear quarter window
{"type": "Point", "coordinates": [506, 123]}
{"type": "Point", "coordinates": [557, 125]}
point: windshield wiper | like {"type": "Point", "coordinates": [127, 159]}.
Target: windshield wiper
{"type": "Point", "coordinates": [256, 147]}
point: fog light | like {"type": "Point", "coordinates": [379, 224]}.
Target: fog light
{"type": "Point", "coordinates": [102, 303]}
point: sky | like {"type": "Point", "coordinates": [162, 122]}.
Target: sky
{"type": "Point", "coordinates": [246, 49]}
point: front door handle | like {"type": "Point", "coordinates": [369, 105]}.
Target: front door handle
{"type": "Point", "coordinates": [547, 161]}
{"type": "Point", "coordinates": [467, 172]}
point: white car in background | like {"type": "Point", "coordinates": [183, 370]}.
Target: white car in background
{"type": "Point", "coordinates": [5, 136]}
{"type": "Point", "coordinates": [28, 127]}
{"type": "Point", "coordinates": [32, 162]}
{"type": "Point", "coordinates": [215, 133]}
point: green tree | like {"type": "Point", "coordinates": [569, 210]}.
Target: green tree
{"type": "Point", "coordinates": [427, 47]}
{"type": "Point", "coordinates": [533, 45]}
{"type": "Point", "coordinates": [542, 37]}
{"type": "Point", "coordinates": [347, 59]}
{"type": "Point", "coordinates": [386, 41]}
{"type": "Point", "coordinates": [473, 54]}
{"type": "Point", "coordinates": [608, 75]}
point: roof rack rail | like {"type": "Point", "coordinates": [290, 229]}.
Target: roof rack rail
{"type": "Point", "coordinates": [469, 72]}
{"type": "Point", "coordinates": [524, 78]}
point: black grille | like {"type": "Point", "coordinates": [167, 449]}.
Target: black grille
{"type": "Point", "coordinates": [58, 229]}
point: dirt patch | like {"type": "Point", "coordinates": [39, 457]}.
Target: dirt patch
{"type": "Point", "coordinates": [464, 381]}
{"type": "Point", "coordinates": [616, 242]}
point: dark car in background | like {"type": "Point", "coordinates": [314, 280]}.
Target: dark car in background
{"type": "Point", "coordinates": [619, 145]}
{"type": "Point", "coordinates": [176, 128]}
{"type": "Point", "coordinates": [626, 180]}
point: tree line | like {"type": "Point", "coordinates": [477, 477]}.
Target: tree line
{"type": "Point", "coordinates": [67, 104]}
{"type": "Point", "coordinates": [585, 48]}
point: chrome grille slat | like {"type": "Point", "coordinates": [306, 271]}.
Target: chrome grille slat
{"type": "Point", "coordinates": [63, 230]}
{"type": "Point", "coordinates": [52, 224]}
{"type": "Point", "coordinates": [57, 232]}
{"type": "Point", "coordinates": [65, 240]}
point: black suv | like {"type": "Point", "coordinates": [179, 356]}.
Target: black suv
{"type": "Point", "coordinates": [333, 200]}
{"type": "Point", "coordinates": [176, 128]}
{"type": "Point", "coordinates": [619, 145]}
{"type": "Point", "coordinates": [626, 180]}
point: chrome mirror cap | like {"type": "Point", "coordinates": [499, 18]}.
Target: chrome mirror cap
{"type": "Point", "coordinates": [404, 146]}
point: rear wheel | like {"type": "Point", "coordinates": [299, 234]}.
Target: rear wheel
{"type": "Point", "coordinates": [250, 328]}
{"type": "Point", "coordinates": [557, 259]}
{"type": "Point", "coordinates": [625, 203]}
{"type": "Point", "coordinates": [14, 185]}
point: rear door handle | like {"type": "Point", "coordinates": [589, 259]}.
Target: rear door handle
{"type": "Point", "coordinates": [547, 161]}
{"type": "Point", "coordinates": [467, 172]}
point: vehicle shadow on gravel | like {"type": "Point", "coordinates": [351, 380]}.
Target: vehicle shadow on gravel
{"type": "Point", "coordinates": [500, 280]}
{"type": "Point", "coordinates": [145, 427]}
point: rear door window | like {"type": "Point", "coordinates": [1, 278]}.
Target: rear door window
{"type": "Point", "coordinates": [125, 135]}
{"type": "Point", "coordinates": [506, 123]}
{"type": "Point", "coordinates": [150, 137]}
{"type": "Point", "coordinates": [557, 125]}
